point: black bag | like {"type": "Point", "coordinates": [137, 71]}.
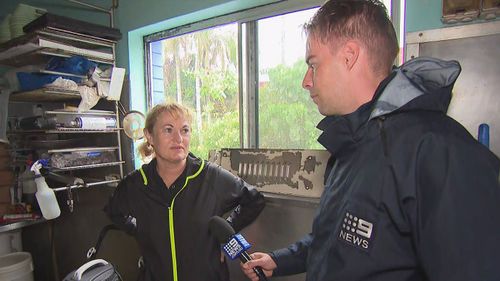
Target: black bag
{"type": "Point", "coordinates": [95, 269]}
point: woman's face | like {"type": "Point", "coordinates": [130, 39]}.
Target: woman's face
{"type": "Point", "coordinates": [170, 138]}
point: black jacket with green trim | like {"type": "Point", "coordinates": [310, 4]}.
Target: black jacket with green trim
{"type": "Point", "coordinates": [173, 235]}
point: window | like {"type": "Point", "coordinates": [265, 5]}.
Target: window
{"type": "Point", "coordinates": [241, 75]}
{"type": "Point", "coordinates": [287, 116]}
{"type": "Point", "coordinates": [200, 70]}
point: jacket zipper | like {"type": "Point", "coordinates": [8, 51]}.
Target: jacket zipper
{"type": "Point", "coordinates": [171, 221]}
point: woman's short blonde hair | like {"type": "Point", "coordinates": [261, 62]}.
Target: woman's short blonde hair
{"type": "Point", "coordinates": [176, 110]}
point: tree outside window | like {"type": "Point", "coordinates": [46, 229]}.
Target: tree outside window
{"type": "Point", "coordinates": [200, 70]}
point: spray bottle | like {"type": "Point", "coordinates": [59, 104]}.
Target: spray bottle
{"type": "Point", "coordinates": [44, 195]}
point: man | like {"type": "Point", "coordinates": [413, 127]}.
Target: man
{"type": "Point", "coordinates": [409, 194]}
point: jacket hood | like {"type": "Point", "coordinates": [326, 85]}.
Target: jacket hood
{"type": "Point", "coordinates": [421, 83]}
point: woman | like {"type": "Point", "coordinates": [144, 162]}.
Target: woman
{"type": "Point", "coordinates": [167, 203]}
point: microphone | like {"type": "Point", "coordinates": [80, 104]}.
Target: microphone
{"type": "Point", "coordinates": [235, 245]}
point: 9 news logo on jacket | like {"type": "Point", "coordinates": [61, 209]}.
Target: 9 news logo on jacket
{"type": "Point", "coordinates": [356, 231]}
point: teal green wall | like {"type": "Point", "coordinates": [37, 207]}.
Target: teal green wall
{"type": "Point", "coordinates": [426, 14]}
{"type": "Point", "coordinates": [423, 15]}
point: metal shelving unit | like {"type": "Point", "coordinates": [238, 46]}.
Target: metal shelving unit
{"type": "Point", "coordinates": [38, 47]}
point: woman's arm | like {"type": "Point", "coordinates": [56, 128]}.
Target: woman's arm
{"type": "Point", "coordinates": [245, 201]}
{"type": "Point", "coordinates": [118, 209]}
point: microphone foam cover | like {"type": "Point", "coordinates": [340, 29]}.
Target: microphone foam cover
{"type": "Point", "coordinates": [220, 228]}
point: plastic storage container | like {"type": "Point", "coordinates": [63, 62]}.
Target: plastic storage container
{"type": "Point", "coordinates": [10, 242]}
{"type": "Point", "coordinates": [16, 267]}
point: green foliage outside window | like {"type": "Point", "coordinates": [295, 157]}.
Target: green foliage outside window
{"type": "Point", "coordinates": [201, 72]}
{"type": "Point", "coordinates": [287, 116]}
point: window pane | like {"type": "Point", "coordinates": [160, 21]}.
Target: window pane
{"type": "Point", "coordinates": [287, 116]}
{"type": "Point", "coordinates": [200, 70]}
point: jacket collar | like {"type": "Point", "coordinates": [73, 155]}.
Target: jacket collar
{"type": "Point", "coordinates": [193, 165]}
{"type": "Point", "coordinates": [341, 131]}
{"type": "Point", "coordinates": [420, 84]}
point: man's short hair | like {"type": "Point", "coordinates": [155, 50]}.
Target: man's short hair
{"type": "Point", "coordinates": [363, 20]}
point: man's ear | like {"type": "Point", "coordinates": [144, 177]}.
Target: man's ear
{"type": "Point", "coordinates": [350, 52]}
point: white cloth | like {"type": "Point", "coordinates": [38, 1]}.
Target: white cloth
{"type": "Point", "coordinates": [89, 98]}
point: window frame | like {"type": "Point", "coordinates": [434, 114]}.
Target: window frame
{"type": "Point", "coordinates": [247, 55]}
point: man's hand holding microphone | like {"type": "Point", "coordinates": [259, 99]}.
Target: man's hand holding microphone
{"type": "Point", "coordinates": [257, 266]}
{"type": "Point", "coordinates": [260, 260]}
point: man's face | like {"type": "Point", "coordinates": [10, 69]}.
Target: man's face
{"type": "Point", "coordinates": [325, 78]}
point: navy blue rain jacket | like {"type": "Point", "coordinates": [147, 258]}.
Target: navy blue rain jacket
{"type": "Point", "coordinates": [410, 195]}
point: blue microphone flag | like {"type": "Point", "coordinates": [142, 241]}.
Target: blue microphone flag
{"type": "Point", "coordinates": [235, 246]}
